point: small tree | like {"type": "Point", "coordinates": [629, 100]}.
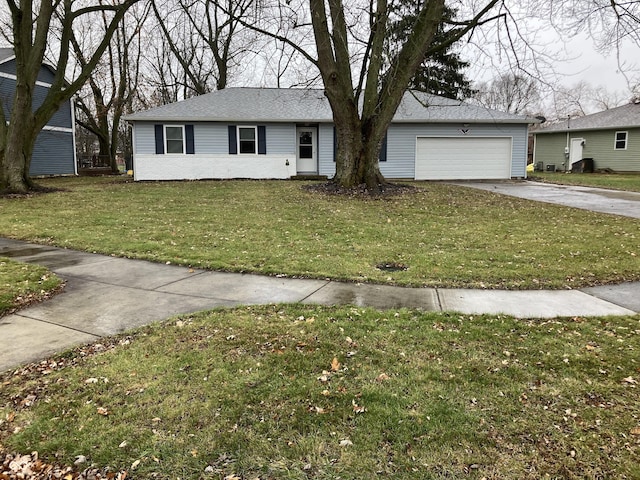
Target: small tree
{"type": "Point", "coordinates": [32, 26]}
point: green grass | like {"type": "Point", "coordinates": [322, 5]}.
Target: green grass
{"type": "Point", "coordinates": [447, 236]}
{"type": "Point", "coordinates": [22, 284]}
{"type": "Point", "coordinates": [298, 392]}
{"type": "Point", "coordinates": [616, 181]}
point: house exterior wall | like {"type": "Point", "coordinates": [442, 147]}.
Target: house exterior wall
{"type": "Point", "coordinates": [401, 145]}
{"type": "Point", "coordinates": [54, 150]}
{"type": "Point", "coordinates": [599, 145]}
{"type": "Point", "coordinates": [53, 154]}
{"type": "Point", "coordinates": [213, 160]}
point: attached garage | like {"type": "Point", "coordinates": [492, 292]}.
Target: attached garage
{"type": "Point", "coordinates": [463, 158]}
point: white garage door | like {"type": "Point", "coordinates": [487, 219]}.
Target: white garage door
{"type": "Point", "coordinates": [440, 158]}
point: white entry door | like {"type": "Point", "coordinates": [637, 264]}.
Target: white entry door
{"type": "Point", "coordinates": [575, 154]}
{"type": "Point", "coordinates": [306, 145]}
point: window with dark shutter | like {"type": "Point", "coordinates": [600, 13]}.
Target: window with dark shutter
{"type": "Point", "coordinates": [233, 140]}
{"type": "Point", "coordinates": [189, 139]}
{"type": "Point", "coordinates": [159, 132]}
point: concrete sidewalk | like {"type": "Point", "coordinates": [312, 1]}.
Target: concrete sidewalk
{"type": "Point", "coordinates": [108, 295]}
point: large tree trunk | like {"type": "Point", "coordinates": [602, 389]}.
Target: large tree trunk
{"type": "Point", "coordinates": [357, 156]}
{"type": "Point", "coordinates": [19, 143]}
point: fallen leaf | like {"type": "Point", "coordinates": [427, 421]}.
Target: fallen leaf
{"type": "Point", "coordinates": [102, 411]}
{"type": "Point", "coordinates": [123, 444]}
{"type": "Point", "coordinates": [335, 365]}
{"type": "Point", "coordinates": [382, 377]}
{"type": "Point", "coordinates": [629, 380]}
{"type": "Point", "coordinates": [135, 464]}
{"type": "Point", "coordinates": [635, 431]}
{"type": "Point", "coordinates": [346, 443]}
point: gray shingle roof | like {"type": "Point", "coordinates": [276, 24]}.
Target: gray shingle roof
{"type": "Point", "coordinates": [308, 105]}
{"type": "Point", "coordinates": [626, 116]}
{"type": "Point", "coordinates": [5, 53]}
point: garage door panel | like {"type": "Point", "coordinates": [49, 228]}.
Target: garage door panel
{"type": "Point", "coordinates": [455, 158]}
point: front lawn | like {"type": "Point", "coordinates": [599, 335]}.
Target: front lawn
{"type": "Point", "coordinates": [615, 181]}
{"type": "Point", "coordinates": [303, 392]}
{"type": "Point", "coordinates": [444, 235]}
{"type": "Point", "coordinates": [22, 284]}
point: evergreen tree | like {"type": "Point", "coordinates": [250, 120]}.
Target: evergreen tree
{"type": "Point", "coordinates": [442, 72]}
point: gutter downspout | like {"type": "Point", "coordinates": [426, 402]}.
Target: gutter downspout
{"type": "Point", "coordinates": [567, 151]}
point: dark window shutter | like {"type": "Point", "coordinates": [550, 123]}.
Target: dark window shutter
{"type": "Point", "coordinates": [262, 140]}
{"type": "Point", "coordinates": [190, 144]}
{"type": "Point", "coordinates": [383, 150]}
{"type": "Point", "coordinates": [233, 140]}
{"type": "Point", "coordinates": [335, 145]}
{"type": "Point", "coordinates": [159, 139]}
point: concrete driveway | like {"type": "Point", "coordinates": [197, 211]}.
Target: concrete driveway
{"type": "Point", "coordinates": [600, 200]}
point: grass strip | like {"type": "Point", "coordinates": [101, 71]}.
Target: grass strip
{"type": "Point", "coordinates": [304, 392]}
{"type": "Point", "coordinates": [22, 284]}
{"type": "Point", "coordinates": [445, 236]}
{"type": "Point", "coordinates": [615, 181]}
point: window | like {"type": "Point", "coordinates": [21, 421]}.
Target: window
{"type": "Point", "coordinates": [174, 138]}
{"type": "Point", "coordinates": [247, 140]}
{"type": "Point", "coordinates": [621, 141]}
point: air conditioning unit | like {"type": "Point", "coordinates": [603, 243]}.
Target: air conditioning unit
{"type": "Point", "coordinates": [551, 168]}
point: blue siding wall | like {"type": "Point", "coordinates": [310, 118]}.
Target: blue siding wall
{"type": "Point", "coordinates": [401, 146]}
{"type": "Point", "coordinates": [44, 75]}
{"type": "Point", "coordinates": [326, 165]}
{"type": "Point", "coordinates": [53, 154]}
{"type": "Point", "coordinates": [62, 118]}
{"type": "Point", "coordinates": [212, 138]}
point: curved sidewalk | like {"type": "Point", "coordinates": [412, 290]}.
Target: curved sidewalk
{"type": "Point", "coordinates": [107, 295]}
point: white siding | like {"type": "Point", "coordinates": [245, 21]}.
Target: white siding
{"type": "Point", "coordinates": [203, 166]}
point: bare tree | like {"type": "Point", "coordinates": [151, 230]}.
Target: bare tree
{"type": "Point", "coordinates": [363, 87]}
{"type": "Point", "coordinates": [32, 24]}
{"type": "Point", "coordinates": [206, 38]}
{"type": "Point", "coordinates": [514, 93]}
{"type": "Point", "coordinates": [112, 84]}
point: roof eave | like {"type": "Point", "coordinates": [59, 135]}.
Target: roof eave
{"type": "Point", "coordinates": [586, 129]}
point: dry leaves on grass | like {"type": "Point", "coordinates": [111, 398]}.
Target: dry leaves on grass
{"type": "Point", "coordinates": [19, 467]}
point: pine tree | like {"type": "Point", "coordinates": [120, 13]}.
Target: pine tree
{"type": "Point", "coordinates": [441, 73]}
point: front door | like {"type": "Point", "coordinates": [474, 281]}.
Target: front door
{"type": "Point", "coordinates": [306, 144]}
{"type": "Point", "coordinates": [575, 154]}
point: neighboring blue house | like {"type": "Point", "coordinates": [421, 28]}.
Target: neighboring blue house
{"type": "Point", "coordinates": [54, 151]}
{"type": "Point", "coordinates": [281, 133]}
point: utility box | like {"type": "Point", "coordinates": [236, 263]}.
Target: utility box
{"type": "Point", "coordinates": [582, 166]}
{"type": "Point", "coordinates": [551, 168]}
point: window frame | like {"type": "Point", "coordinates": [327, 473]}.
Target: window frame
{"type": "Point", "coordinates": [166, 139]}
{"type": "Point", "coordinates": [625, 140]}
{"type": "Point", "coordinates": [255, 139]}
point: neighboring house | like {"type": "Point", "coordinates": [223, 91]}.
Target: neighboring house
{"type": "Point", "coordinates": [281, 133]}
{"type": "Point", "coordinates": [54, 151]}
{"type": "Point", "coordinates": [610, 138]}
